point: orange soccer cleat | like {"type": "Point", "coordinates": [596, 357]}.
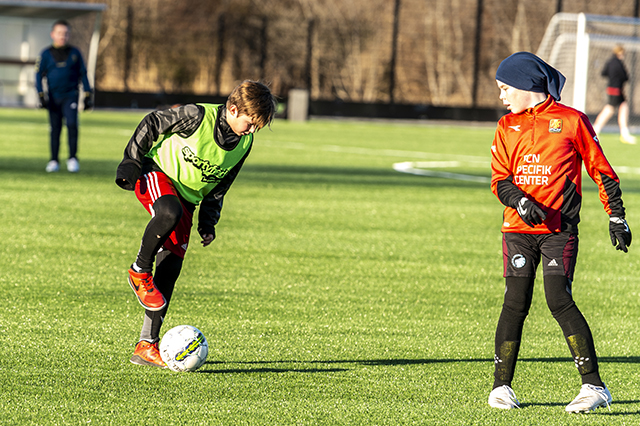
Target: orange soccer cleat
{"type": "Point", "coordinates": [147, 354]}
{"type": "Point", "coordinates": [148, 295]}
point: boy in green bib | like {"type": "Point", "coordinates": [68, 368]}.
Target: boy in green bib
{"type": "Point", "coordinates": [175, 160]}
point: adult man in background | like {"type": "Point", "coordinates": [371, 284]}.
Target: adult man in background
{"type": "Point", "coordinates": [64, 69]}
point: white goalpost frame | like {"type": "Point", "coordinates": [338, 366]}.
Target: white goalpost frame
{"type": "Point", "coordinates": [582, 64]}
{"type": "Point", "coordinates": [579, 44]}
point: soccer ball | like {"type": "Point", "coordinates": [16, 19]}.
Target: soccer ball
{"type": "Point", "coordinates": [184, 348]}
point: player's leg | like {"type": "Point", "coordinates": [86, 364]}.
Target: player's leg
{"type": "Point", "coordinates": [593, 393]}
{"type": "Point", "coordinates": [559, 257]}
{"type": "Point", "coordinates": [574, 327]}
{"type": "Point", "coordinates": [166, 240]}
{"type": "Point", "coordinates": [167, 211]}
{"type": "Point", "coordinates": [168, 267]}
{"type": "Point", "coordinates": [55, 123]}
{"type": "Point", "coordinates": [520, 261]}
{"type": "Point", "coordinates": [602, 118]}
{"type": "Point", "coordinates": [70, 112]}
{"type": "Point", "coordinates": [158, 195]}
{"type": "Point", "coordinates": [559, 254]}
{"type": "Point", "coordinates": [623, 122]}
{"type": "Point", "coordinates": [517, 301]}
{"type": "Point", "coordinates": [167, 214]}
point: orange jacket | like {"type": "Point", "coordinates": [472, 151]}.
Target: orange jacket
{"type": "Point", "coordinates": [538, 154]}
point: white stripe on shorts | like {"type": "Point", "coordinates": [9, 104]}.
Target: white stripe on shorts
{"type": "Point", "coordinates": [152, 185]}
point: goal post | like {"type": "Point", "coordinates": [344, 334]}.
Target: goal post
{"type": "Point", "coordinates": [582, 63]}
{"type": "Point", "coordinates": [579, 45]}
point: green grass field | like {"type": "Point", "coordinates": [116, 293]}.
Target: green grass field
{"type": "Point", "coordinates": [338, 291]}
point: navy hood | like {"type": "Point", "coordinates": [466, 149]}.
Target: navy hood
{"type": "Point", "coordinates": [526, 71]}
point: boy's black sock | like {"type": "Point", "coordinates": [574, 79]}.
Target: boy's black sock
{"type": "Point", "coordinates": [168, 267]}
{"type": "Point", "coordinates": [574, 327]}
{"type": "Point", "coordinates": [517, 300]}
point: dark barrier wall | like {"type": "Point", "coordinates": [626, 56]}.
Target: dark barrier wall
{"type": "Point", "coordinates": [316, 108]}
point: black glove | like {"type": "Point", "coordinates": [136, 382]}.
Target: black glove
{"type": "Point", "coordinates": [529, 212]}
{"type": "Point", "coordinates": [43, 102]}
{"type": "Point", "coordinates": [88, 101]}
{"type": "Point", "coordinates": [620, 233]}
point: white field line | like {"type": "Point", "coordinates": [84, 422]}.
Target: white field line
{"type": "Point", "coordinates": [419, 168]}
{"type": "Point", "coordinates": [625, 169]}
{"type": "Point", "coordinates": [372, 152]}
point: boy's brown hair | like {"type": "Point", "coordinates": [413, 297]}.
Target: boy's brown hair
{"type": "Point", "coordinates": [255, 100]}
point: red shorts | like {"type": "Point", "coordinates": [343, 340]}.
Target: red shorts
{"type": "Point", "coordinates": [154, 185]}
{"type": "Point", "coordinates": [614, 91]}
{"type": "Point", "coordinates": [615, 96]}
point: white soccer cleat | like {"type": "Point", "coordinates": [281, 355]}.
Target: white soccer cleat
{"type": "Point", "coordinates": [503, 397]}
{"type": "Point", "coordinates": [628, 139]}
{"type": "Point", "coordinates": [73, 166]}
{"type": "Point", "coordinates": [590, 398]}
{"type": "Point", "coordinates": [52, 166]}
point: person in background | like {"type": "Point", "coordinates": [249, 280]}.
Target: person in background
{"type": "Point", "coordinates": [617, 75]}
{"type": "Point", "coordinates": [64, 69]}
{"type": "Point", "coordinates": [536, 172]}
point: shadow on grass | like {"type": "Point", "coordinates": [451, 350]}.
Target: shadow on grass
{"type": "Point", "coordinates": [263, 174]}
{"type": "Point", "coordinates": [275, 370]}
{"type": "Point", "coordinates": [380, 362]}
{"type": "Point", "coordinates": [601, 359]}
{"type": "Point", "coordinates": [393, 362]}
{"type": "Point", "coordinates": [603, 411]}
{"type": "Point", "coordinates": [326, 370]}
{"type": "Point", "coordinates": [33, 167]}
{"type": "Point", "coordinates": [41, 118]}
{"type": "Point", "coordinates": [361, 361]}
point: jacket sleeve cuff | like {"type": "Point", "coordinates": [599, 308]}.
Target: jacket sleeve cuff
{"type": "Point", "coordinates": [127, 175]}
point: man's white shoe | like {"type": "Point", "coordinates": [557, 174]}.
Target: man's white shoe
{"type": "Point", "coordinates": [52, 166]}
{"type": "Point", "coordinates": [590, 398]}
{"type": "Point", "coordinates": [73, 166]}
{"type": "Point", "coordinates": [503, 397]}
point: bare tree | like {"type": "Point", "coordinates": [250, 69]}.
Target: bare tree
{"type": "Point", "coordinates": [336, 48]}
{"type": "Point", "coordinates": [446, 53]}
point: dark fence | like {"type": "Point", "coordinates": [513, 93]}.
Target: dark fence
{"type": "Point", "coordinates": [335, 108]}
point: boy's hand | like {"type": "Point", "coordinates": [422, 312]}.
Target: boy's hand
{"type": "Point", "coordinates": [620, 233]}
{"type": "Point", "coordinates": [530, 213]}
{"type": "Point", "coordinates": [207, 239]}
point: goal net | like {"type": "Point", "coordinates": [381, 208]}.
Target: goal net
{"type": "Point", "coordinates": [579, 45]}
